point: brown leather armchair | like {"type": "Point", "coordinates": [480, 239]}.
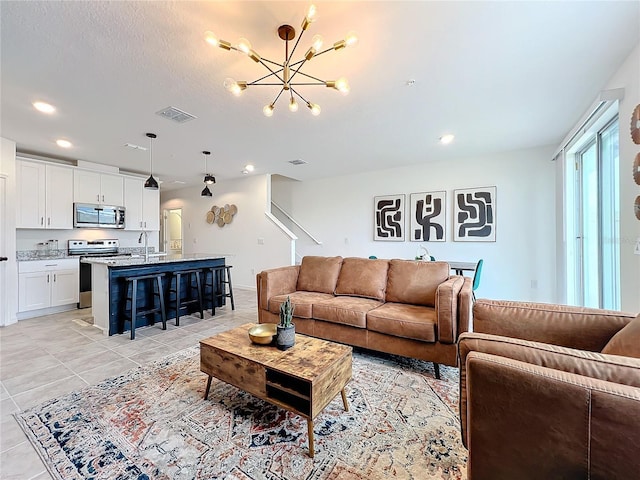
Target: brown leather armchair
{"type": "Point", "coordinates": [550, 392]}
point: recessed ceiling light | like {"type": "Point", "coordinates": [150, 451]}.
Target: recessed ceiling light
{"type": "Point", "coordinates": [447, 139]}
{"type": "Point", "coordinates": [64, 143]}
{"type": "Point", "coordinates": [249, 168]}
{"type": "Point", "coordinates": [44, 107]}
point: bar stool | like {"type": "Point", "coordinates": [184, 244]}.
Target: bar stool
{"type": "Point", "coordinates": [181, 303]}
{"type": "Point", "coordinates": [220, 278]}
{"type": "Point", "coordinates": [132, 313]}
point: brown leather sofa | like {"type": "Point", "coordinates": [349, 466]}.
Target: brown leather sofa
{"type": "Point", "coordinates": [403, 307]}
{"type": "Point", "coordinates": [550, 392]}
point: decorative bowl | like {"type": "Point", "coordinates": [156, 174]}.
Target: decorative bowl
{"type": "Point", "coordinates": [263, 333]}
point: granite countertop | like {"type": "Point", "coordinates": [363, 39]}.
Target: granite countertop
{"type": "Point", "coordinates": [31, 255]}
{"type": "Point", "coordinates": [153, 259]}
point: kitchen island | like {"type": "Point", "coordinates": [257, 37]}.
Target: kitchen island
{"type": "Point", "coordinates": [109, 287]}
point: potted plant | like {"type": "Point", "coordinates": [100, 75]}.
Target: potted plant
{"type": "Point", "coordinates": [286, 337]}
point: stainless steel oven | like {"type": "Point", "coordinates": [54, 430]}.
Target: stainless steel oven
{"type": "Point", "coordinates": [92, 248]}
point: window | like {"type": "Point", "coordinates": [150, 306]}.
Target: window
{"type": "Point", "coordinates": [592, 213]}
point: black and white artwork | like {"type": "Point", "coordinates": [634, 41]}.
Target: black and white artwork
{"type": "Point", "coordinates": [427, 222]}
{"type": "Point", "coordinates": [474, 215]}
{"type": "Point", "coordinates": [389, 218]}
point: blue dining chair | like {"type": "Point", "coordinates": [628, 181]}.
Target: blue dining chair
{"type": "Point", "coordinates": [476, 278]}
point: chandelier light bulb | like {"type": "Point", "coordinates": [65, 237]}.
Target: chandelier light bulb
{"type": "Point", "coordinates": [249, 168]}
{"type": "Point", "coordinates": [315, 108]}
{"type": "Point", "coordinates": [211, 38]}
{"type": "Point", "coordinates": [316, 42]}
{"type": "Point", "coordinates": [312, 14]}
{"type": "Point", "coordinates": [244, 46]}
{"type": "Point", "coordinates": [229, 84]}
{"type": "Point", "coordinates": [233, 87]}
{"type": "Point", "coordinates": [351, 39]}
{"type": "Point", "coordinates": [342, 85]}
{"type": "Point", "coordinates": [268, 110]}
{"type": "Point", "coordinates": [293, 105]}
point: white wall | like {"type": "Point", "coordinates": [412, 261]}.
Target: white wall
{"type": "Point", "coordinates": [28, 239]}
{"type": "Point", "coordinates": [239, 238]}
{"type": "Point", "coordinates": [520, 265]}
{"type": "Point", "coordinates": [628, 77]}
{"type": "Point", "coordinates": [9, 284]}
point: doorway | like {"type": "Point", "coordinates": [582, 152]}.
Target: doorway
{"type": "Point", "coordinates": [173, 232]}
{"type": "Point", "coordinates": [4, 312]}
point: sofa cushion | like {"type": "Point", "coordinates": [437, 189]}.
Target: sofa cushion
{"type": "Point", "coordinates": [302, 302]}
{"type": "Point", "coordinates": [345, 310]}
{"type": "Point", "coordinates": [414, 282]}
{"type": "Point", "coordinates": [319, 274]}
{"type": "Point", "coordinates": [401, 320]}
{"type": "Point", "coordinates": [363, 277]}
{"type": "Point", "coordinates": [626, 342]}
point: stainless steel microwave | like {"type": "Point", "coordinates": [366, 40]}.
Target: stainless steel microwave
{"type": "Point", "coordinates": [97, 216]}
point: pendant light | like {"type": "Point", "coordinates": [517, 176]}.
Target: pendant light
{"type": "Point", "coordinates": [208, 178]}
{"type": "Point", "coordinates": [151, 183]}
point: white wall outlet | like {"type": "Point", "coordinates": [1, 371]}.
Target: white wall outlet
{"type": "Point", "coordinates": [534, 284]}
{"type": "Point", "coordinates": [260, 241]}
{"type": "Point", "coordinates": [195, 240]}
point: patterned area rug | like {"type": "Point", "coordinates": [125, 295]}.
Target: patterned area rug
{"type": "Point", "coordinates": [152, 423]}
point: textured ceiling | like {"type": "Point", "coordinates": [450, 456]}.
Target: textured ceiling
{"type": "Point", "coordinates": [499, 75]}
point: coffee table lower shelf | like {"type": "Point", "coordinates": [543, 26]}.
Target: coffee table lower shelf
{"type": "Point", "coordinates": [302, 380]}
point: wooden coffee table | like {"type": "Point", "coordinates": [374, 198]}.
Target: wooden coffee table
{"type": "Point", "coordinates": [303, 379]}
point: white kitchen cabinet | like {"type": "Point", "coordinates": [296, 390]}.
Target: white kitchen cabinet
{"type": "Point", "coordinates": [47, 283]}
{"type": "Point", "coordinates": [34, 291]}
{"type": "Point", "coordinates": [59, 181]}
{"type": "Point", "coordinates": [65, 288]}
{"type": "Point", "coordinates": [142, 206]}
{"type": "Point", "coordinates": [97, 187]}
{"type": "Point", "coordinates": [151, 209]}
{"type": "Point", "coordinates": [45, 195]}
{"type": "Point", "coordinates": [133, 203]}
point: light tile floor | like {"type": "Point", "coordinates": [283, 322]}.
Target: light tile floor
{"type": "Point", "coordinates": [50, 356]}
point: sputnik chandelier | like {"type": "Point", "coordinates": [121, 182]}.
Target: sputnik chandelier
{"type": "Point", "coordinates": [283, 74]}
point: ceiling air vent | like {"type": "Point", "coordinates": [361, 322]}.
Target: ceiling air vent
{"type": "Point", "coordinates": [175, 114]}
{"type": "Point", "coordinates": [297, 162]}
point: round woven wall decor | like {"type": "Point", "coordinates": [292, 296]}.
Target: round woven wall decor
{"type": "Point", "coordinates": [635, 125]}
{"type": "Point", "coordinates": [221, 216]}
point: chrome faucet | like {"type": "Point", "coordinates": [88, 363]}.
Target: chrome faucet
{"type": "Point", "coordinates": [145, 235]}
